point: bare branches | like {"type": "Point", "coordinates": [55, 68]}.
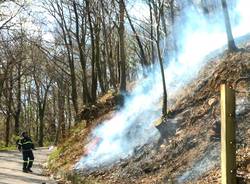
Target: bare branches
{"type": "Point", "coordinates": [5, 23]}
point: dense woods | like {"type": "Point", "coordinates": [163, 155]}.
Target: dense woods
{"type": "Point", "coordinates": [93, 47]}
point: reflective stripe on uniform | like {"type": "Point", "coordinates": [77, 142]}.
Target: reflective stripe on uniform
{"type": "Point", "coordinates": [27, 142]}
{"type": "Point", "coordinates": [31, 160]}
{"type": "Point", "coordinates": [25, 161]}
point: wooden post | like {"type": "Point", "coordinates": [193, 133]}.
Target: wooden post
{"type": "Point", "coordinates": [228, 160]}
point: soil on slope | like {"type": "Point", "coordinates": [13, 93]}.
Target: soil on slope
{"type": "Point", "coordinates": [189, 154]}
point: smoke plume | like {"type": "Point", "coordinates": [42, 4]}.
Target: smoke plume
{"type": "Point", "coordinates": [132, 126]}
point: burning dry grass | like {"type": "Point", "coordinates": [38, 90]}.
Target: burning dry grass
{"type": "Point", "coordinates": [69, 151]}
{"type": "Point", "coordinates": [188, 154]}
{"type": "Point", "coordinates": [190, 151]}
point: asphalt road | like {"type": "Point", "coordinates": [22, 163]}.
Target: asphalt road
{"type": "Point", "coordinates": [11, 168]}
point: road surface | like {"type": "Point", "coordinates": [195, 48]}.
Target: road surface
{"type": "Point", "coordinates": [11, 168]}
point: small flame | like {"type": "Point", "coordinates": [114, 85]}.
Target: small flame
{"type": "Point", "coordinates": [92, 145]}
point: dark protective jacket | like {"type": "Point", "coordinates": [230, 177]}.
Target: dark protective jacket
{"type": "Point", "coordinates": [25, 144]}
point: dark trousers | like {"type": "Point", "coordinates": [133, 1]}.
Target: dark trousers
{"type": "Point", "coordinates": [28, 159]}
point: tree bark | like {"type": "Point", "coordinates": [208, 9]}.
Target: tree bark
{"type": "Point", "coordinates": [122, 47]}
{"type": "Point", "coordinates": [19, 100]}
{"type": "Point", "coordinates": [81, 45]}
{"type": "Point", "coordinates": [93, 54]}
{"type": "Point", "coordinates": [157, 15]}
{"type": "Point", "coordinates": [142, 53]}
{"type": "Point", "coordinates": [2, 79]}
{"type": "Point", "coordinates": [97, 57]}
{"type": "Point", "coordinates": [61, 107]}
{"type": "Point", "coordinates": [69, 47]}
{"type": "Point", "coordinates": [42, 102]}
{"type": "Point", "coordinates": [69, 115]}
{"type": "Point", "coordinates": [151, 33]}
{"type": "Point", "coordinates": [230, 39]}
{"type": "Point", "coordinates": [9, 109]}
{"type": "Point", "coordinates": [164, 107]}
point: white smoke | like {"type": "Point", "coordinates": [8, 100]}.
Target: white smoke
{"type": "Point", "coordinates": [129, 128]}
{"type": "Point", "coordinates": [132, 125]}
{"type": "Point", "coordinates": [210, 159]}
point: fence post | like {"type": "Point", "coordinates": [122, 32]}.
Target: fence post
{"type": "Point", "coordinates": [228, 142]}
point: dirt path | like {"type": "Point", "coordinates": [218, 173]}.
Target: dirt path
{"type": "Point", "coordinates": [11, 168]}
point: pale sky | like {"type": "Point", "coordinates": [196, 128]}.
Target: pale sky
{"type": "Point", "coordinates": [37, 21]}
{"type": "Point", "coordinates": [138, 9]}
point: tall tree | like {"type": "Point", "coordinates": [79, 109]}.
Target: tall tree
{"type": "Point", "coordinates": [93, 52]}
{"type": "Point", "coordinates": [122, 53]}
{"type": "Point", "coordinates": [231, 43]}
{"type": "Point", "coordinates": [42, 82]}
{"type": "Point", "coordinates": [58, 12]}
{"type": "Point", "coordinates": [9, 100]}
{"type": "Point", "coordinates": [157, 13]}
{"type": "Point", "coordinates": [151, 32]}
{"type": "Point", "coordinates": [81, 42]}
{"type": "Point", "coordinates": [139, 42]}
{"type": "Point", "coordinates": [60, 132]}
{"type": "Point", "coordinates": [18, 100]}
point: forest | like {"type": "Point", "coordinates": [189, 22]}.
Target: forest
{"type": "Point", "coordinates": [66, 64]}
{"type": "Point", "coordinates": [59, 56]}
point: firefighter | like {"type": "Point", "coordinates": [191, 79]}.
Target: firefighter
{"type": "Point", "coordinates": [26, 145]}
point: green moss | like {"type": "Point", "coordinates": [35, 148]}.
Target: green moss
{"type": "Point", "coordinates": [55, 154]}
{"type": "Point", "coordinates": [14, 138]}
{"type": "Point", "coordinates": [78, 128]}
{"type": "Point", "coordinates": [9, 148]}
{"type": "Point", "coordinates": [57, 160]}
{"type": "Point", "coordinates": [52, 160]}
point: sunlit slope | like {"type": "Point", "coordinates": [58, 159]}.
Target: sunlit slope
{"type": "Point", "coordinates": [188, 152]}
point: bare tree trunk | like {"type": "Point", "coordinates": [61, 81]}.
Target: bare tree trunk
{"type": "Point", "coordinates": [69, 47]}
{"type": "Point", "coordinates": [81, 46]}
{"type": "Point", "coordinates": [97, 57]}
{"type": "Point", "coordinates": [142, 53]}
{"type": "Point", "coordinates": [7, 130]}
{"type": "Point", "coordinates": [122, 46]}
{"type": "Point", "coordinates": [162, 17]}
{"type": "Point", "coordinates": [104, 68]}
{"type": "Point", "coordinates": [9, 109]}
{"type": "Point", "coordinates": [2, 79]}
{"type": "Point", "coordinates": [73, 78]}
{"type": "Point", "coordinates": [41, 101]}
{"type": "Point", "coordinates": [109, 55]}
{"type": "Point", "coordinates": [60, 131]}
{"type": "Point", "coordinates": [54, 114]}
{"type": "Point", "coordinates": [93, 54]}
{"type": "Point", "coordinates": [37, 125]}
{"type": "Point", "coordinates": [230, 39]}
{"type": "Point", "coordinates": [27, 106]}
{"type": "Point", "coordinates": [118, 63]}
{"type": "Point", "coordinates": [69, 117]}
{"type": "Point", "coordinates": [108, 48]}
{"type": "Point", "coordinates": [19, 100]}
{"type": "Point", "coordinates": [164, 107]}
{"type": "Point", "coordinates": [157, 14]}
{"type": "Point", "coordinates": [151, 33]}
{"type": "Point", "coordinates": [61, 105]}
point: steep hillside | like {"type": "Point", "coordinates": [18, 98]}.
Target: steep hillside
{"type": "Point", "coordinates": [70, 150]}
{"type": "Point", "coordinates": [190, 150]}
